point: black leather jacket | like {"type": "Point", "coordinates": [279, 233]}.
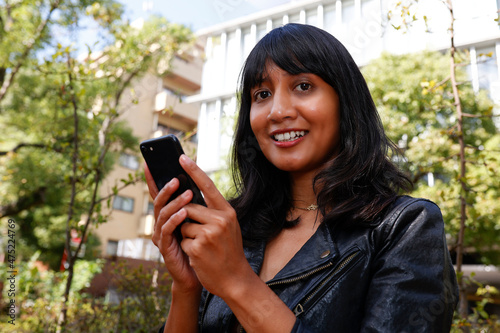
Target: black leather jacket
{"type": "Point", "coordinates": [393, 276]}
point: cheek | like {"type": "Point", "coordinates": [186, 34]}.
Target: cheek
{"type": "Point", "coordinates": [335, 132]}
{"type": "Point", "coordinates": [252, 122]}
{"type": "Point", "coordinates": [257, 122]}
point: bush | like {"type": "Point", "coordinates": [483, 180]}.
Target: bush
{"type": "Point", "coordinates": [140, 304]}
{"type": "Point", "coordinates": [479, 321]}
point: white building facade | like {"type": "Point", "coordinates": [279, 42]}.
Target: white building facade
{"type": "Point", "coordinates": [361, 25]}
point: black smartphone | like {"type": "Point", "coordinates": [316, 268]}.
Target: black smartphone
{"type": "Point", "coordinates": [162, 157]}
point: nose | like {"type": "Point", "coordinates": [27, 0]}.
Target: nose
{"type": "Point", "coordinates": [282, 107]}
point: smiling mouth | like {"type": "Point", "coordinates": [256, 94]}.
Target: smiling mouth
{"type": "Point", "coordinates": [289, 136]}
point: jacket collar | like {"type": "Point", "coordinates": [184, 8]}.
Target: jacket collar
{"type": "Point", "coordinates": [316, 252]}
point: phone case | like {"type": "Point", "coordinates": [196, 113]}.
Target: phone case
{"type": "Point", "coordinates": [162, 157]}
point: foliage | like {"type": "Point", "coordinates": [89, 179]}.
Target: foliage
{"type": "Point", "coordinates": [39, 293]}
{"type": "Point", "coordinates": [416, 106]}
{"type": "Point", "coordinates": [144, 299]}
{"type": "Point", "coordinates": [479, 320]}
{"type": "Point", "coordinates": [62, 114]}
{"type": "Point", "coordinates": [28, 27]}
{"type": "Point", "coordinates": [142, 304]}
{"type": "Point", "coordinates": [63, 111]}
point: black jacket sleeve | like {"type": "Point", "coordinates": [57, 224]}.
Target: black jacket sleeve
{"type": "Point", "coordinates": [412, 284]}
{"type": "Point", "coordinates": [413, 288]}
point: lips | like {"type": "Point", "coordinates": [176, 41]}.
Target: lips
{"type": "Point", "coordinates": [288, 135]}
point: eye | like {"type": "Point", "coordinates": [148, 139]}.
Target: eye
{"type": "Point", "coordinates": [261, 95]}
{"type": "Point", "coordinates": [304, 86]}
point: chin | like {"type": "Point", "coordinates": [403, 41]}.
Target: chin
{"type": "Point", "coordinates": [291, 168]}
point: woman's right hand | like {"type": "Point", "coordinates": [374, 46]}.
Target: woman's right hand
{"type": "Point", "coordinates": [166, 221]}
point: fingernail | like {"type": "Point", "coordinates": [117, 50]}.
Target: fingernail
{"type": "Point", "coordinates": [185, 159]}
{"type": "Point", "coordinates": [180, 212]}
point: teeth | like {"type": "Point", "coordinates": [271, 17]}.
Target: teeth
{"type": "Point", "coordinates": [289, 136]}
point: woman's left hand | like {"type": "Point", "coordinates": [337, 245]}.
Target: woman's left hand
{"type": "Point", "coordinates": [214, 246]}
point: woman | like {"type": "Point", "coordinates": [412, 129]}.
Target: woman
{"type": "Point", "coordinates": [317, 239]}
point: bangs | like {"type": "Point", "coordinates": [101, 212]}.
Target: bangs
{"type": "Point", "coordinates": [290, 51]}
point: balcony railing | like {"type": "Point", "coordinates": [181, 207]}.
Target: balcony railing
{"type": "Point", "coordinates": [169, 102]}
{"type": "Point", "coordinates": [146, 225]}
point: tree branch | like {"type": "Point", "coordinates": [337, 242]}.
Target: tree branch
{"type": "Point", "coordinates": [441, 83]}
{"type": "Point", "coordinates": [35, 198]}
{"type": "Point", "coordinates": [118, 189]}
{"type": "Point", "coordinates": [71, 259]}
{"type": "Point", "coordinates": [38, 33]}
{"type": "Point", "coordinates": [21, 145]}
{"type": "Point", "coordinates": [468, 115]}
{"type": "Point", "coordinates": [462, 309]}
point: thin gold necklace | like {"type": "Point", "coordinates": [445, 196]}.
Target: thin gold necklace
{"type": "Point", "coordinates": [311, 207]}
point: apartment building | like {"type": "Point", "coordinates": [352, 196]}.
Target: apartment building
{"type": "Point", "coordinates": [160, 110]}
{"type": "Point", "coordinates": [361, 25]}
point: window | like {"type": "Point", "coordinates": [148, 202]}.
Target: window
{"type": "Point", "coordinates": [233, 60]}
{"type": "Point", "coordinates": [151, 209]}
{"type": "Point", "coordinates": [112, 248]}
{"type": "Point", "coordinates": [247, 43]}
{"type": "Point", "coordinates": [129, 161]}
{"type": "Point", "coordinates": [174, 92]}
{"type": "Point", "coordinates": [312, 17]}
{"type": "Point", "coordinates": [123, 203]}
{"type": "Point", "coordinates": [348, 18]}
{"type": "Point", "coordinates": [194, 138]}
{"type": "Point", "coordinates": [169, 130]}
{"type": "Point", "coordinates": [330, 18]}
{"type": "Point", "coordinates": [278, 22]}
{"type": "Point", "coordinates": [261, 30]}
{"type": "Point", "coordinates": [294, 18]}
{"type": "Point", "coordinates": [486, 66]}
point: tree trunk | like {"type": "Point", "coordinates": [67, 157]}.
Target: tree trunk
{"type": "Point", "coordinates": [463, 306]}
{"type": "Point", "coordinates": [71, 258]}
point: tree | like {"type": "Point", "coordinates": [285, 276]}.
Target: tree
{"type": "Point", "coordinates": [418, 115]}
{"type": "Point", "coordinates": [62, 117]}
{"type": "Point", "coordinates": [28, 26]}
{"type": "Point", "coordinates": [457, 143]}
{"type": "Point", "coordinates": [468, 189]}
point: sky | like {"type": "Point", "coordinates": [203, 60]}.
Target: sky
{"type": "Point", "coordinates": [197, 14]}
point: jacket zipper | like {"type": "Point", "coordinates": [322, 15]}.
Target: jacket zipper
{"type": "Point", "coordinates": [291, 280]}
{"type": "Point", "coordinates": [303, 276]}
{"type": "Point", "coordinates": [299, 308]}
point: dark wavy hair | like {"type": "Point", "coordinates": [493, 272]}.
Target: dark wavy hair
{"type": "Point", "coordinates": [355, 186]}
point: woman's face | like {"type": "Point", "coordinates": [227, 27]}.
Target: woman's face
{"type": "Point", "coordinates": [296, 120]}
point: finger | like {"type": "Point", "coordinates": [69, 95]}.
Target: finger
{"type": "Point", "coordinates": [212, 196]}
{"type": "Point", "coordinates": [153, 190]}
{"type": "Point", "coordinates": [190, 229]}
{"type": "Point", "coordinates": [172, 223]}
{"type": "Point", "coordinates": [187, 245]}
{"type": "Point", "coordinates": [166, 192]}
{"type": "Point", "coordinates": [173, 207]}
{"type": "Point", "coordinates": [200, 214]}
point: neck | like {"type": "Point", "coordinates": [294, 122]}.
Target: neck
{"type": "Point", "coordinates": [302, 189]}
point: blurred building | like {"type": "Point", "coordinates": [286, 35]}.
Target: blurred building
{"type": "Point", "coordinates": [160, 110]}
{"type": "Point", "coordinates": [361, 25]}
